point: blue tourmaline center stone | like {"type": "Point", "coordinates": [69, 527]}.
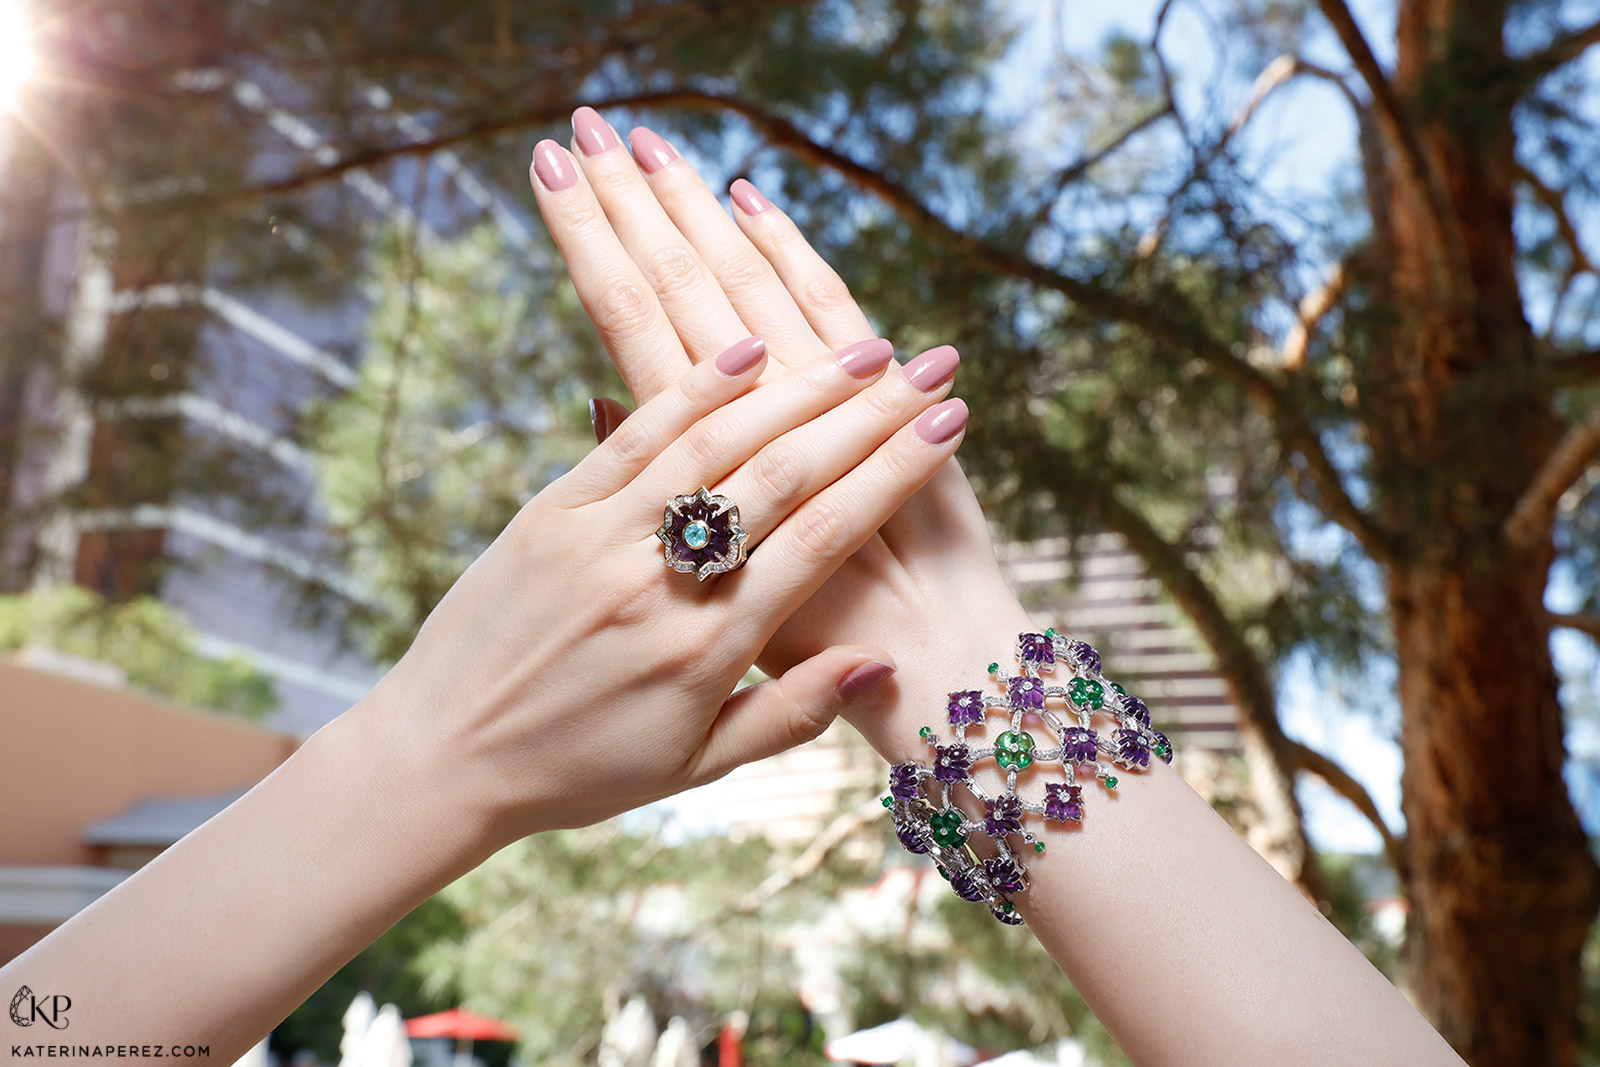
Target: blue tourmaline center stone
{"type": "Point", "coordinates": [697, 535]}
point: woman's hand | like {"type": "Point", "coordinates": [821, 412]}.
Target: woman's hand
{"type": "Point", "coordinates": [668, 278]}
{"type": "Point", "coordinates": [577, 676]}
{"type": "Point", "coordinates": [567, 676]}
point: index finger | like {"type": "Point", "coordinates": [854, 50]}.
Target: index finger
{"type": "Point", "coordinates": [619, 301]}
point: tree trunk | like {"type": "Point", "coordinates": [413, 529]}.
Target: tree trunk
{"type": "Point", "coordinates": [1502, 884]}
{"type": "Point", "coordinates": [1503, 888]}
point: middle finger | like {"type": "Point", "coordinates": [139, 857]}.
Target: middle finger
{"type": "Point", "coordinates": [748, 280]}
{"type": "Point", "coordinates": [694, 302]}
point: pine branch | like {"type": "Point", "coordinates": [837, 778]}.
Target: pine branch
{"type": "Point", "coordinates": [1237, 663]}
{"type": "Point", "coordinates": [1531, 519]}
{"type": "Point", "coordinates": [1582, 622]}
{"type": "Point", "coordinates": [1153, 317]}
{"type": "Point", "coordinates": [1314, 307]}
{"type": "Point", "coordinates": [808, 862]}
{"type": "Point", "coordinates": [1578, 368]}
{"type": "Point", "coordinates": [1339, 780]}
{"type": "Point", "coordinates": [1561, 51]}
{"type": "Point", "coordinates": [1553, 200]}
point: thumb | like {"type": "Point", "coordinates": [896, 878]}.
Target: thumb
{"type": "Point", "coordinates": [773, 716]}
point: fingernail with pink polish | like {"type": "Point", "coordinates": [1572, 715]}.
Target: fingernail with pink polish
{"type": "Point", "coordinates": [941, 422]}
{"type": "Point", "coordinates": [651, 150]}
{"type": "Point", "coordinates": [593, 134]}
{"type": "Point", "coordinates": [553, 166]}
{"type": "Point", "coordinates": [862, 678]}
{"type": "Point", "coordinates": [742, 356]}
{"type": "Point", "coordinates": [748, 197]}
{"type": "Point", "coordinates": [932, 367]}
{"type": "Point", "coordinates": [865, 358]}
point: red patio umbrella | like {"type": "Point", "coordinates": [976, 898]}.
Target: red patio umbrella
{"type": "Point", "coordinates": [463, 1026]}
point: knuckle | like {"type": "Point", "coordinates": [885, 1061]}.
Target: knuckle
{"type": "Point", "coordinates": [672, 270]}
{"type": "Point", "coordinates": [710, 443]}
{"type": "Point", "coordinates": [621, 308]}
{"type": "Point", "coordinates": [898, 465]}
{"type": "Point", "coordinates": [783, 472]}
{"type": "Point", "coordinates": [632, 443]}
{"type": "Point", "coordinates": [828, 291]}
{"type": "Point", "coordinates": [819, 531]}
{"type": "Point", "coordinates": [583, 215]}
{"type": "Point", "coordinates": [612, 179]}
{"type": "Point", "coordinates": [743, 273]}
{"type": "Point", "coordinates": [883, 405]}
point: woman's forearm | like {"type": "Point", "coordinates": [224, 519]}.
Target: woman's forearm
{"type": "Point", "coordinates": [1184, 942]}
{"type": "Point", "coordinates": [219, 938]}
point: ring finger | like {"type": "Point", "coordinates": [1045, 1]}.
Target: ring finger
{"type": "Point", "coordinates": [791, 469]}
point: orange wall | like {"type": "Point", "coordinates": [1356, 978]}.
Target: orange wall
{"type": "Point", "coordinates": [72, 753]}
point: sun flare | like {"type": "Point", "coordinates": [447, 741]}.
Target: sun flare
{"type": "Point", "coordinates": [16, 52]}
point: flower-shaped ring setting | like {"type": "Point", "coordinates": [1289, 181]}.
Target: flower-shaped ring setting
{"type": "Point", "coordinates": [701, 533]}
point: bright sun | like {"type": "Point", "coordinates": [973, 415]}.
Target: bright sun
{"type": "Point", "coordinates": [16, 52]}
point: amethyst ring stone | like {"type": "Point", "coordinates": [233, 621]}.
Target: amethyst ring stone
{"type": "Point", "coordinates": [701, 533]}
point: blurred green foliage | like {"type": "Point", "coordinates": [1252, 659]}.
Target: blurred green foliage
{"type": "Point", "coordinates": [148, 640]}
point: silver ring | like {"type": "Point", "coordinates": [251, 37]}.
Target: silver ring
{"type": "Point", "coordinates": [701, 533]}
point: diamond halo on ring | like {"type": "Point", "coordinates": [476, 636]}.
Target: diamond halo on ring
{"type": "Point", "coordinates": [700, 532]}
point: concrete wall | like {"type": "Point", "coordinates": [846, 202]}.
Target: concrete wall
{"type": "Point", "coordinates": [72, 753]}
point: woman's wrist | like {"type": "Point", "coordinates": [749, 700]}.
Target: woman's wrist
{"type": "Point", "coordinates": [950, 656]}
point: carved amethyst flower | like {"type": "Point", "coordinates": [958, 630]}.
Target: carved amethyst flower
{"type": "Point", "coordinates": [1136, 709]}
{"type": "Point", "coordinates": [966, 886]}
{"type": "Point", "coordinates": [701, 533]}
{"type": "Point", "coordinates": [903, 780]}
{"type": "Point", "coordinates": [911, 837]}
{"type": "Point", "coordinates": [1063, 802]}
{"type": "Point", "coordinates": [1002, 815]}
{"type": "Point", "coordinates": [1037, 649]}
{"type": "Point", "coordinates": [1132, 748]}
{"type": "Point", "coordinates": [1083, 656]}
{"type": "Point", "coordinates": [1004, 874]}
{"type": "Point", "coordinates": [950, 762]}
{"type": "Point", "coordinates": [1079, 745]}
{"type": "Point", "coordinates": [966, 707]}
{"type": "Point", "coordinates": [1026, 692]}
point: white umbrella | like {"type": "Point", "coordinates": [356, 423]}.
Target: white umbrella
{"type": "Point", "coordinates": [901, 1041]}
{"type": "Point", "coordinates": [1065, 1053]}
{"type": "Point", "coordinates": [373, 1038]}
{"type": "Point", "coordinates": [255, 1055]}
{"type": "Point", "coordinates": [357, 1021]}
{"type": "Point", "coordinates": [387, 1044]}
{"type": "Point", "coordinates": [628, 1037]}
{"type": "Point", "coordinates": [677, 1047]}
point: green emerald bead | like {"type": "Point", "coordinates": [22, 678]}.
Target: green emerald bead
{"type": "Point", "coordinates": [1008, 907]}
{"type": "Point", "coordinates": [1038, 846]}
{"type": "Point", "coordinates": [1111, 781]}
{"type": "Point", "coordinates": [924, 732]}
{"type": "Point", "coordinates": [1120, 691]}
{"type": "Point", "coordinates": [1014, 749]}
{"type": "Point", "coordinates": [993, 667]}
{"type": "Point", "coordinates": [946, 826]}
{"type": "Point", "coordinates": [1050, 632]}
{"type": "Point", "coordinates": [888, 802]}
{"type": "Point", "coordinates": [1162, 750]}
{"type": "Point", "coordinates": [1086, 694]}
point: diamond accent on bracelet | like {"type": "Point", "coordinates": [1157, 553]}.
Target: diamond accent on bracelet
{"type": "Point", "coordinates": [922, 798]}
